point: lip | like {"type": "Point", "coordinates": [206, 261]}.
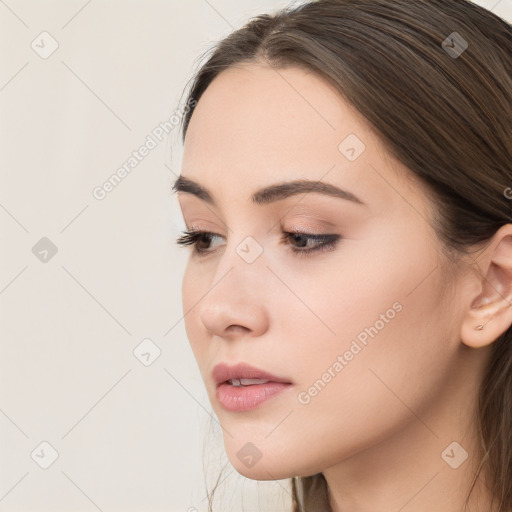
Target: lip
{"type": "Point", "coordinates": [223, 372]}
{"type": "Point", "coordinates": [244, 398]}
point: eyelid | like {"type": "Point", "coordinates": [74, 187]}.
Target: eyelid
{"type": "Point", "coordinates": [302, 229]}
{"type": "Point", "coordinates": [307, 230]}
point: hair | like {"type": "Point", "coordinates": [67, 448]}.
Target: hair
{"type": "Point", "coordinates": [446, 117]}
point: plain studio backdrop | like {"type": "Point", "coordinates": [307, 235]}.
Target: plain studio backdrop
{"type": "Point", "coordinates": [102, 406]}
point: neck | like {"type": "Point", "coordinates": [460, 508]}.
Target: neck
{"type": "Point", "coordinates": [418, 468]}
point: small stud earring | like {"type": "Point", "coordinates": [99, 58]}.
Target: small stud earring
{"type": "Point", "coordinates": [479, 327]}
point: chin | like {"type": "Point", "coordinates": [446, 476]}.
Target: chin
{"type": "Point", "coordinates": [252, 463]}
{"type": "Point", "coordinates": [262, 471]}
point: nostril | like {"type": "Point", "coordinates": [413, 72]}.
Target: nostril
{"type": "Point", "coordinates": [234, 328]}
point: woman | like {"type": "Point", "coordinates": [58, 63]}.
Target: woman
{"type": "Point", "coordinates": [346, 187]}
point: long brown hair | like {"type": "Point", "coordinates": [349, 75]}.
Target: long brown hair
{"type": "Point", "coordinates": [434, 79]}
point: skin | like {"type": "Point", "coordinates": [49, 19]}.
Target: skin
{"type": "Point", "coordinates": [378, 428]}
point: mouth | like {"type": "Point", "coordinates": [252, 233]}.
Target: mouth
{"type": "Point", "coordinates": [246, 382]}
{"type": "Point", "coordinates": [243, 374]}
{"type": "Point", "coordinates": [243, 387]}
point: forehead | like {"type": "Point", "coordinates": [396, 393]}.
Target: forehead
{"type": "Point", "coordinates": [255, 106]}
{"type": "Point", "coordinates": [255, 125]}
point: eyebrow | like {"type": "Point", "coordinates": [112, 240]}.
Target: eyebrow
{"type": "Point", "coordinates": [270, 193]}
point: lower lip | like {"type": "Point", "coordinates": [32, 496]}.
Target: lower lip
{"type": "Point", "coordinates": [244, 398]}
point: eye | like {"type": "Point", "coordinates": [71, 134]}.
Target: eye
{"type": "Point", "coordinates": [195, 238]}
{"type": "Point", "coordinates": [321, 243]}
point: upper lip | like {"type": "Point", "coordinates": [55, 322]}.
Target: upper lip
{"type": "Point", "coordinates": [223, 372]}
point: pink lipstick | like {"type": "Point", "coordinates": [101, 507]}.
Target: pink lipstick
{"type": "Point", "coordinates": [243, 387]}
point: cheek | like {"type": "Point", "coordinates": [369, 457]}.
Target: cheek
{"type": "Point", "coordinates": [366, 286]}
{"type": "Point", "coordinates": [382, 309]}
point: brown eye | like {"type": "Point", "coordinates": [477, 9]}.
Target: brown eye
{"type": "Point", "coordinates": [196, 238]}
{"type": "Point", "coordinates": [321, 242]}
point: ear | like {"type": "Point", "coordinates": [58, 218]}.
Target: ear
{"type": "Point", "coordinates": [490, 312]}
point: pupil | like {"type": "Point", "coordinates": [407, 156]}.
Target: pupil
{"type": "Point", "coordinates": [298, 237]}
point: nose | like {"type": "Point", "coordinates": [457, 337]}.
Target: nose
{"type": "Point", "coordinates": [237, 301]}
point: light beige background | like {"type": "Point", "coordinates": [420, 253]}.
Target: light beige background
{"type": "Point", "coordinates": [127, 422]}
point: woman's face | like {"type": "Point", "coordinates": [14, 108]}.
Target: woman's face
{"type": "Point", "coordinates": [361, 330]}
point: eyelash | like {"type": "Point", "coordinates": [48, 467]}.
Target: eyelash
{"type": "Point", "coordinates": [328, 242]}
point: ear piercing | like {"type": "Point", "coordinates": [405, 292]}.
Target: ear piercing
{"type": "Point", "coordinates": [479, 327]}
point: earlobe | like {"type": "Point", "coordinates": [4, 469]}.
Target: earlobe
{"type": "Point", "coordinates": [490, 312]}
